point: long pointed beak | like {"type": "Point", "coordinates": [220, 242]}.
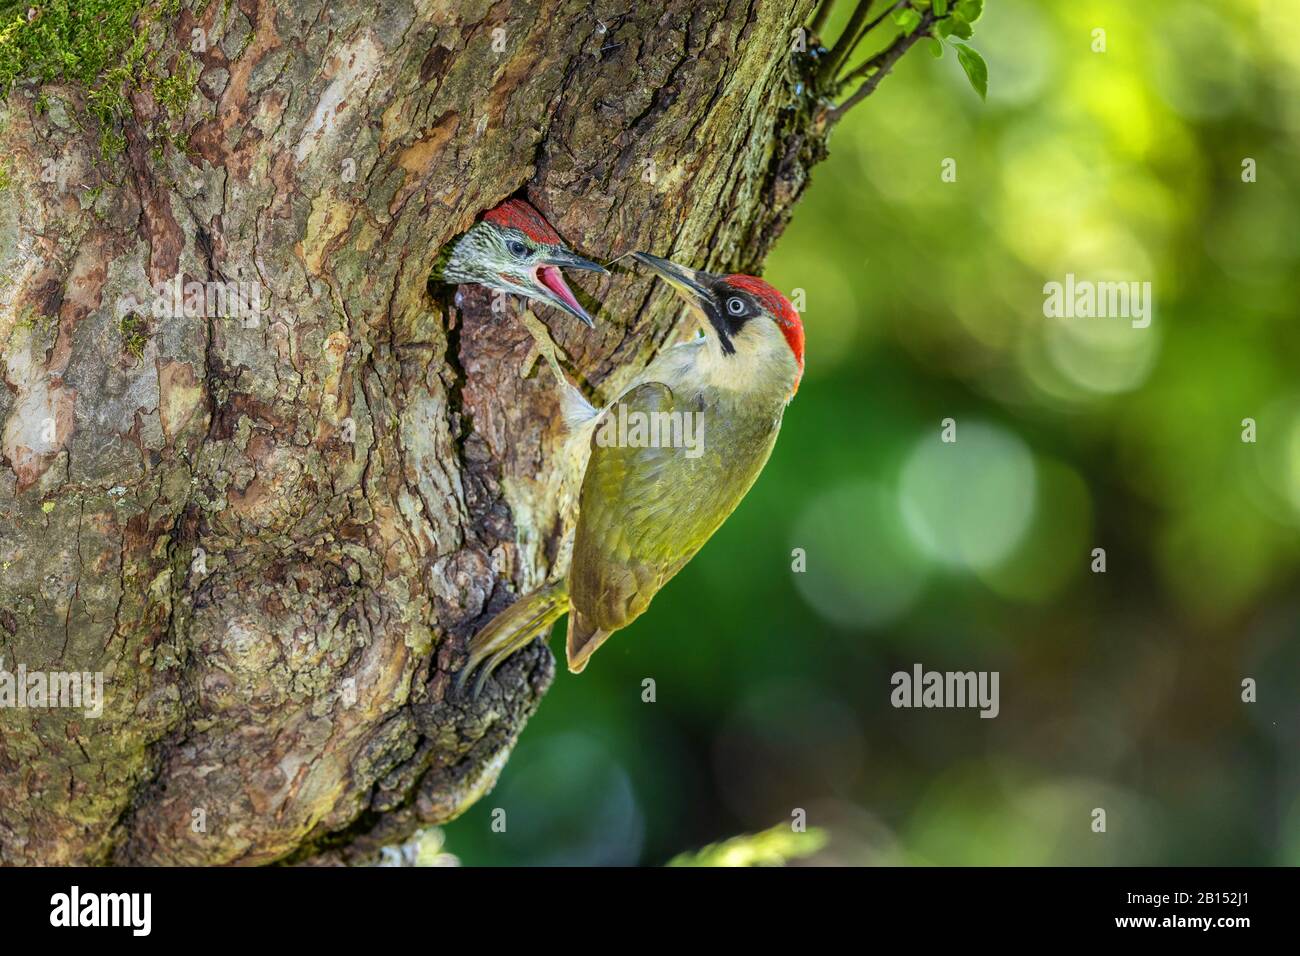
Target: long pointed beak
{"type": "Point", "coordinates": [565, 259]}
{"type": "Point", "coordinates": [556, 291]}
{"type": "Point", "coordinates": [691, 285]}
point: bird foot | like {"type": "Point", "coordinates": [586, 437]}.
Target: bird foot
{"type": "Point", "coordinates": [514, 628]}
{"type": "Point", "coordinates": [543, 346]}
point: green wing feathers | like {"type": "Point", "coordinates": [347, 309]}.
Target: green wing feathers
{"type": "Point", "coordinates": [646, 511]}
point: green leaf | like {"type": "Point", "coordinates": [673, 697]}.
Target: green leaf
{"type": "Point", "coordinates": [959, 27]}
{"type": "Point", "coordinates": [774, 847]}
{"type": "Point", "coordinates": [969, 10]}
{"type": "Point", "coordinates": [907, 19]}
{"type": "Point", "coordinates": [977, 71]}
{"type": "Point", "coordinates": [940, 8]}
{"type": "Point", "coordinates": [936, 48]}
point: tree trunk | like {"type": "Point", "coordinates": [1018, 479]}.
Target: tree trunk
{"type": "Point", "coordinates": [274, 534]}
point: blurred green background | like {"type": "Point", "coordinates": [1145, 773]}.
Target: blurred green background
{"type": "Point", "coordinates": [924, 300]}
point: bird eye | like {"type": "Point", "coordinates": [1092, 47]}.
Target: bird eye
{"type": "Point", "coordinates": [736, 305]}
{"type": "Point", "coordinates": [517, 249]}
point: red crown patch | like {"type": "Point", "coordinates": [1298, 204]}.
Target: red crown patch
{"type": "Point", "coordinates": [517, 214]}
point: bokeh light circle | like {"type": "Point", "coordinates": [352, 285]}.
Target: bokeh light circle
{"type": "Point", "coordinates": [968, 503]}
{"type": "Point", "coordinates": [861, 569]}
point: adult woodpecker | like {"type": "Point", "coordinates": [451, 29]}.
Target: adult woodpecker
{"type": "Point", "coordinates": [645, 511]}
{"type": "Point", "coordinates": [514, 249]}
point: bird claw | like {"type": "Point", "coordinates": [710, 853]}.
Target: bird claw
{"type": "Point", "coordinates": [462, 679]}
{"type": "Point", "coordinates": [543, 346]}
{"type": "Point", "coordinates": [484, 668]}
{"type": "Point", "coordinates": [528, 619]}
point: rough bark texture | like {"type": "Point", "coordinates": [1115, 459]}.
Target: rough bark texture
{"type": "Point", "coordinates": [366, 472]}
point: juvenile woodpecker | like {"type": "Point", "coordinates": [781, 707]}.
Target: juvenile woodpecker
{"type": "Point", "coordinates": [645, 510]}
{"type": "Point", "coordinates": [514, 249]}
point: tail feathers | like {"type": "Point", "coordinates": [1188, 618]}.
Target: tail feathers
{"type": "Point", "coordinates": [511, 630]}
{"type": "Point", "coordinates": [584, 639]}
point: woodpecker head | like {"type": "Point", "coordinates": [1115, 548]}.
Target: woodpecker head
{"type": "Point", "coordinates": [513, 249]}
{"type": "Point", "coordinates": [758, 333]}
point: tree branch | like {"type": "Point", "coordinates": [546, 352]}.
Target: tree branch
{"type": "Point", "coordinates": [871, 26]}
{"type": "Point", "coordinates": [882, 63]}
{"type": "Point", "coordinates": [844, 45]}
{"type": "Point", "coordinates": [819, 18]}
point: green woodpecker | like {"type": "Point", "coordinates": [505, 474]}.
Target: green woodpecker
{"type": "Point", "coordinates": [514, 249]}
{"type": "Point", "coordinates": [646, 508]}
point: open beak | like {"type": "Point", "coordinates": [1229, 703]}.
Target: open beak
{"type": "Point", "coordinates": [549, 277]}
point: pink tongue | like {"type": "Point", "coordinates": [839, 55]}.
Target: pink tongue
{"type": "Point", "coordinates": [553, 279]}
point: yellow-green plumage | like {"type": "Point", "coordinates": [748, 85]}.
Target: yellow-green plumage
{"type": "Point", "coordinates": [645, 512]}
{"type": "Point", "coordinates": [647, 506]}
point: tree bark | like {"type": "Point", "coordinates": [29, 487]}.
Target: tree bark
{"type": "Point", "coordinates": [274, 539]}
